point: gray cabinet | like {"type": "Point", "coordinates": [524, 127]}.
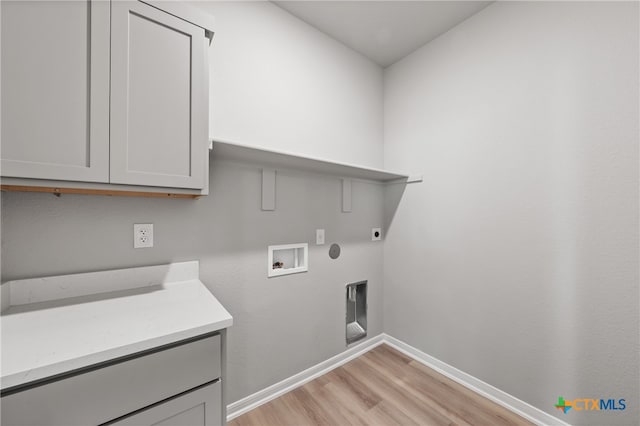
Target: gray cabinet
{"type": "Point", "coordinates": [158, 98]}
{"type": "Point", "coordinates": [104, 92]}
{"type": "Point", "coordinates": [199, 407]}
{"type": "Point", "coordinates": [176, 384]}
{"type": "Point", "coordinates": [55, 90]}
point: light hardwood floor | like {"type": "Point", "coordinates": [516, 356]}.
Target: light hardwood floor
{"type": "Point", "coordinates": [381, 387]}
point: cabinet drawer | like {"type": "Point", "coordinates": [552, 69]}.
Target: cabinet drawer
{"type": "Point", "coordinates": [200, 407]}
{"type": "Point", "coordinates": [106, 393]}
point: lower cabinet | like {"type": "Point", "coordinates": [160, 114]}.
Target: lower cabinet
{"type": "Point", "coordinates": [176, 385]}
{"type": "Point", "coordinates": [200, 407]}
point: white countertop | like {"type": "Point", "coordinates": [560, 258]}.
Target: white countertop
{"type": "Point", "coordinates": [59, 324]}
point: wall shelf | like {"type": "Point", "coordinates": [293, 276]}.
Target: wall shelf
{"type": "Point", "coordinates": [270, 161]}
{"type": "Point", "coordinates": [283, 160]}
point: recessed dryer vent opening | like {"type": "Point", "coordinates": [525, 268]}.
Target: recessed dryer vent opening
{"type": "Point", "coordinates": [356, 324]}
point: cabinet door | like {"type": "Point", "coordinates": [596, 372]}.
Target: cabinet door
{"type": "Point", "coordinates": [201, 407]}
{"type": "Point", "coordinates": [55, 90]}
{"type": "Point", "coordinates": [158, 99]}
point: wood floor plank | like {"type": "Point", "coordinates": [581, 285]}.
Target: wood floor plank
{"type": "Point", "coordinates": [388, 387]}
{"type": "Point", "coordinates": [386, 414]}
{"type": "Point", "coordinates": [390, 365]}
{"type": "Point", "coordinates": [453, 395]}
{"type": "Point", "coordinates": [263, 415]}
{"type": "Point", "coordinates": [346, 407]}
{"type": "Point", "coordinates": [316, 414]}
{"type": "Point", "coordinates": [406, 381]}
{"type": "Point", "coordinates": [364, 394]}
{"type": "Point", "coordinates": [391, 353]}
{"type": "Point", "coordinates": [382, 387]}
{"type": "Point", "coordinates": [406, 384]}
{"type": "Point", "coordinates": [291, 411]}
{"type": "Point", "coordinates": [317, 385]}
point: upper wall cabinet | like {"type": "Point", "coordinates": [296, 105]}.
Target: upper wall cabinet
{"type": "Point", "coordinates": [55, 90]}
{"type": "Point", "coordinates": [105, 92]}
{"type": "Point", "coordinates": [159, 120]}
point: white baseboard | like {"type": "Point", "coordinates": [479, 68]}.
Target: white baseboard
{"type": "Point", "coordinates": [507, 401]}
{"type": "Point", "coordinates": [511, 403]}
{"type": "Point", "coordinates": [265, 395]}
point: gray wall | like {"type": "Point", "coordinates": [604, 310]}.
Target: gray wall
{"type": "Point", "coordinates": [282, 325]}
{"type": "Point", "coordinates": [279, 83]}
{"type": "Point", "coordinates": [275, 82]}
{"type": "Point", "coordinates": [517, 259]}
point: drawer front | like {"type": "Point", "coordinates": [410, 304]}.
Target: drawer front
{"type": "Point", "coordinates": [201, 407]}
{"type": "Point", "coordinates": [106, 393]}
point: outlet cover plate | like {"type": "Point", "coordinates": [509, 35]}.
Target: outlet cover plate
{"type": "Point", "coordinates": [319, 237]}
{"type": "Point", "coordinates": [376, 234]}
{"type": "Point", "coordinates": [143, 235]}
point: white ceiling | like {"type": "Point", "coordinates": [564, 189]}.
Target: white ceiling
{"type": "Point", "coordinates": [384, 31]}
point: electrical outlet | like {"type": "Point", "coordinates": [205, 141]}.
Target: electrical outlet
{"type": "Point", "coordinates": [376, 234]}
{"type": "Point", "coordinates": [142, 235]}
{"type": "Point", "coordinates": [319, 237]}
